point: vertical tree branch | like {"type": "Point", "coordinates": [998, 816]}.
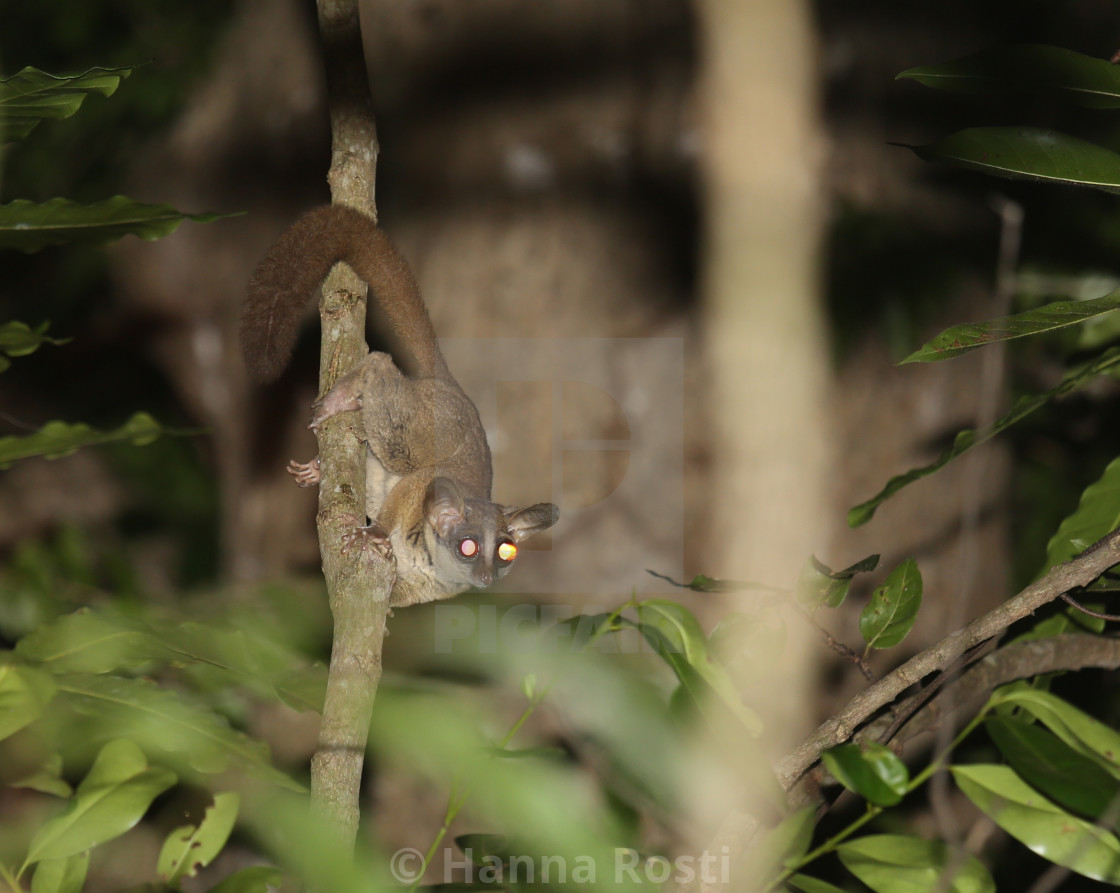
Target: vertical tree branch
{"type": "Point", "coordinates": [765, 335]}
{"type": "Point", "coordinates": [357, 584]}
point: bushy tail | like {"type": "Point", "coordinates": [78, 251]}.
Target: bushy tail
{"type": "Point", "coordinates": [288, 277]}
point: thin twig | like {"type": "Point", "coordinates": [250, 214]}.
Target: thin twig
{"type": "Point", "coordinates": [1080, 607]}
{"type": "Point", "coordinates": [976, 471]}
{"type": "Point", "coordinates": [1079, 571]}
{"type": "Point", "coordinates": [1019, 660]}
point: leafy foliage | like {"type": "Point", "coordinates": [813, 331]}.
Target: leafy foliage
{"type": "Point", "coordinates": [122, 708]}
{"type": "Point", "coordinates": [27, 226]}
{"type": "Point", "coordinates": [30, 96]}
{"type": "Point", "coordinates": [893, 608]}
{"type": "Point", "coordinates": [893, 862]}
{"type": "Point", "coordinates": [967, 439]}
{"type": "Point", "coordinates": [18, 339]}
{"type": "Point", "coordinates": [964, 338]}
{"type": "Point", "coordinates": [57, 439]}
{"type": "Point", "coordinates": [1028, 153]}
{"type": "Point", "coordinates": [1029, 68]}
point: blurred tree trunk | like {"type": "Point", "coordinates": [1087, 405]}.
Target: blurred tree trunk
{"type": "Point", "coordinates": [765, 326]}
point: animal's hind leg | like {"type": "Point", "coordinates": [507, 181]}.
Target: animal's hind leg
{"type": "Point", "coordinates": [367, 381]}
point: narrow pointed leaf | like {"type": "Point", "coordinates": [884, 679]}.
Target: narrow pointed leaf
{"type": "Point", "coordinates": [61, 875]}
{"type": "Point", "coordinates": [893, 607]}
{"type": "Point", "coordinates": [681, 642]}
{"type": "Point", "coordinates": [967, 439]}
{"type": "Point", "coordinates": [961, 339]}
{"type": "Point", "coordinates": [1085, 734]}
{"type": "Point", "coordinates": [30, 96]}
{"type": "Point", "coordinates": [896, 863]}
{"type": "Point", "coordinates": [28, 227]}
{"type": "Point", "coordinates": [1047, 763]}
{"type": "Point", "coordinates": [1039, 824]}
{"type": "Point", "coordinates": [190, 848]}
{"type": "Point", "coordinates": [114, 796]}
{"type": "Point", "coordinates": [806, 884]}
{"type": "Point", "coordinates": [1084, 80]}
{"type": "Point", "coordinates": [57, 439]}
{"type": "Point", "coordinates": [1028, 153]}
{"type": "Point", "coordinates": [818, 585]}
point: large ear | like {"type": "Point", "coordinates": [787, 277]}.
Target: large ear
{"type": "Point", "coordinates": [443, 504]}
{"type": "Point", "coordinates": [523, 523]}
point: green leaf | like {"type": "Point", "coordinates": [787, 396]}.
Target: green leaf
{"type": "Point", "coordinates": [188, 848]}
{"type": "Point", "coordinates": [893, 608]}
{"type": "Point", "coordinates": [1097, 514]}
{"type": "Point", "coordinates": [24, 692]}
{"type": "Point", "coordinates": [583, 628]}
{"type": "Point", "coordinates": [92, 642]}
{"type": "Point", "coordinates": [967, 439]}
{"type": "Point", "coordinates": [18, 339]}
{"type": "Point", "coordinates": [1081, 79]}
{"type": "Point", "coordinates": [789, 841]}
{"type": "Point", "coordinates": [30, 95]}
{"type": "Point", "coordinates": [89, 641]}
{"type": "Point", "coordinates": [1088, 736]}
{"type": "Point", "coordinates": [807, 884]}
{"type": "Point", "coordinates": [258, 879]}
{"type": "Point", "coordinates": [27, 226]}
{"type": "Point", "coordinates": [819, 585]}
{"type": "Point", "coordinates": [61, 875]}
{"type": "Point", "coordinates": [871, 770]}
{"type": "Point", "coordinates": [680, 641]}
{"type": "Point", "coordinates": [895, 863]}
{"type": "Point", "coordinates": [1028, 153]}
{"type": "Point", "coordinates": [961, 339]}
{"type": "Point", "coordinates": [114, 796]}
{"type": "Point", "coordinates": [1045, 762]}
{"type": "Point", "coordinates": [784, 845]}
{"type": "Point", "coordinates": [57, 439]}
{"type": "Point", "coordinates": [166, 720]}
{"type": "Point", "coordinates": [1039, 824]}
{"type": "Point", "coordinates": [47, 779]}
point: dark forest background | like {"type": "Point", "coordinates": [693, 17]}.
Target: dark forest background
{"type": "Point", "coordinates": [539, 168]}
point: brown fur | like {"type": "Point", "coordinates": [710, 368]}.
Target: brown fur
{"type": "Point", "coordinates": [428, 468]}
{"type": "Point", "coordinates": [288, 277]}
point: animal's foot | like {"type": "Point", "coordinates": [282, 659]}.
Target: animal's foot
{"type": "Point", "coordinates": [343, 397]}
{"type": "Point", "coordinates": [368, 539]}
{"type": "Point", "coordinates": [306, 474]}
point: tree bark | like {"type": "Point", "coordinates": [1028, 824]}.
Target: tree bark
{"type": "Point", "coordinates": [357, 584]}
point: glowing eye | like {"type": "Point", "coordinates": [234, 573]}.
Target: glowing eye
{"type": "Point", "coordinates": [507, 552]}
{"type": "Point", "coordinates": [468, 548]}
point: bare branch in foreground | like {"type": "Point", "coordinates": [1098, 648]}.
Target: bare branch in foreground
{"type": "Point", "coordinates": [1079, 571]}
{"type": "Point", "coordinates": [1071, 651]}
